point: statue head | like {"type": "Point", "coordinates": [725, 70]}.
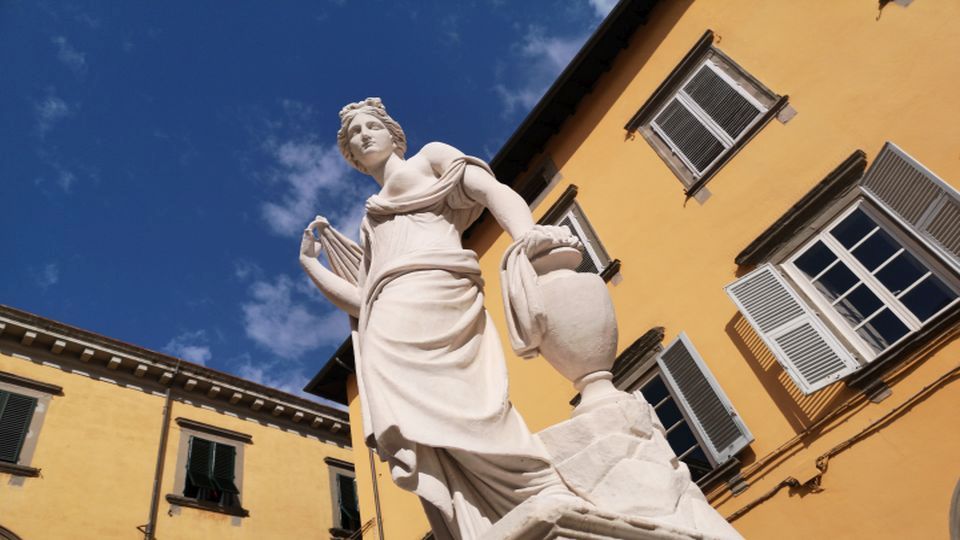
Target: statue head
{"type": "Point", "coordinates": [373, 107]}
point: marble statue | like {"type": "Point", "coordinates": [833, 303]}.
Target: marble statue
{"type": "Point", "coordinates": [430, 367]}
{"type": "Point", "coordinates": [431, 372]}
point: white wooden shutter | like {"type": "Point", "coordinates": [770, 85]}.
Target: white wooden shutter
{"type": "Point", "coordinates": [717, 424]}
{"type": "Point", "coordinates": [807, 350]}
{"type": "Point", "coordinates": [924, 202]}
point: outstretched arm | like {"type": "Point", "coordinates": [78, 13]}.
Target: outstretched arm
{"type": "Point", "coordinates": [339, 291]}
{"type": "Point", "coordinates": [507, 207]}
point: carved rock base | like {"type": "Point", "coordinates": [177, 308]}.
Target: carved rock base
{"type": "Point", "coordinates": [616, 457]}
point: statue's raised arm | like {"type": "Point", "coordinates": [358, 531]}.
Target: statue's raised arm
{"type": "Point", "coordinates": [339, 284]}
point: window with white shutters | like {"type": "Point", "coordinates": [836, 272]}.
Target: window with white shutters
{"type": "Point", "coordinates": [870, 278]}
{"type": "Point", "coordinates": [702, 427]}
{"type": "Point", "coordinates": [706, 109]}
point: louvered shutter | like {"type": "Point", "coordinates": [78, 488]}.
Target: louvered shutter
{"type": "Point", "coordinates": [224, 464]}
{"type": "Point", "coordinates": [349, 514]}
{"type": "Point", "coordinates": [200, 462]}
{"type": "Point", "coordinates": [587, 264]}
{"type": "Point", "coordinates": [718, 426]}
{"type": "Point", "coordinates": [927, 204]}
{"type": "Point", "coordinates": [692, 141]}
{"type": "Point", "coordinates": [806, 349]}
{"type": "Point", "coordinates": [16, 411]}
{"type": "Point", "coordinates": [723, 103]}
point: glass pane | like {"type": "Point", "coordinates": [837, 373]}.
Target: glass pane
{"type": "Point", "coordinates": [858, 305]}
{"type": "Point", "coordinates": [698, 464]}
{"type": "Point", "coordinates": [681, 439]}
{"type": "Point", "coordinates": [669, 414]}
{"type": "Point", "coordinates": [654, 391]}
{"type": "Point", "coordinates": [882, 330]}
{"type": "Point", "coordinates": [815, 259]}
{"type": "Point", "coordinates": [853, 228]}
{"type": "Point", "coordinates": [927, 298]}
{"type": "Point", "coordinates": [901, 273]}
{"type": "Point", "coordinates": [876, 249]}
{"type": "Point", "coordinates": [836, 281]}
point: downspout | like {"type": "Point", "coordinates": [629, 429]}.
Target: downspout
{"type": "Point", "coordinates": [150, 532]}
{"type": "Point", "coordinates": [376, 496]}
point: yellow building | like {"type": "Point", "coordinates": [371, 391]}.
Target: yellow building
{"type": "Point", "coordinates": [770, 189]}
{"type": "Point", "coordinates": [102, 439]}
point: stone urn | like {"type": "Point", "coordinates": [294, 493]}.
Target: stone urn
{"type": "Point", "coordinates": [580, 340]}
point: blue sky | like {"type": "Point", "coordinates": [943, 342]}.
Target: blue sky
{"type": "Point", "coordinates": [159, 160]}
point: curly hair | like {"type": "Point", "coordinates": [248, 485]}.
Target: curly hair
{"type": "Point", "coordinates": [372, 106]}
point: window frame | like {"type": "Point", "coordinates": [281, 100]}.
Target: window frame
{"type": "Point", "coordinates": [562, 208]}
{"type": "Point", "coordinates": [190, 429]}
{"type": "Point", "coordinates": [864, 352]}
{"type": "Point", "coordinates": [336, 468]}
{"type": "Point", "coordinates": [704, 53]}
{"type": "Point", "coordinates": [43, 394]}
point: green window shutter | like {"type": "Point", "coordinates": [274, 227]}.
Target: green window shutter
{"type": "Point", "coordinates": [16, 411]}
{"type": "Point", "coordinates": [200, 463]}
{"type": "Point", "coordinates": [224, 462]}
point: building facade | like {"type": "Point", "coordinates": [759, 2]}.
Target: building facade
{"type": "Point", "coordinates": [771, 191]}
{"type": "Point", "coordinates": [102, 439]}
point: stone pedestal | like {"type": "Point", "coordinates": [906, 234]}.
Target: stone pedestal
{"type": "Point", "coordinates": [616, 457]}
{"type": "Point", "coordinates": [550, 518]}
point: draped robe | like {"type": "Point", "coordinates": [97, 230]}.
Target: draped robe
{"type": "Point", "coordinates": [430, 366]}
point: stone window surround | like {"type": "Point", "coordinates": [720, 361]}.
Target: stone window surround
{"type": "Point", "coordinates": [702, 51]}
{"type": "Point", "coordinates": [43, 393]}
{"type": "Point", "coordinates": [556, 212]}
{"type": "Point", "coordinates": [192, 428]}
{"type": "Point", "coordinates": [338, 467]}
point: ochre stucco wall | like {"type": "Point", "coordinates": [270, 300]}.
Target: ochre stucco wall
{"type": "Point", "coordinates": [856, 80]}
{"type": "Point", "coordinates": [97, 451]}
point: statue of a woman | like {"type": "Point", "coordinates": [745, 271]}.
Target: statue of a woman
{"type": "Point", "coordinates": [430, 366]}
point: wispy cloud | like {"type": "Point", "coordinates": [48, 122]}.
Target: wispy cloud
{"type": "Point", "coordinates": [279, 317]}
{"type": "Point", "coordinates": [540, 58]}
{"type": "Point", "coordinates": [50, 111]}
{"type": "Point", "coordinates": [48, 275]}
{"type": "Point", "coordinates": [69, 56]}
{"type": "Point", "coordinates": [286, 376]}
{"type": "Point", "coordinates": [191, 346]}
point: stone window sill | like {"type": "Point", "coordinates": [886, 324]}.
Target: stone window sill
{"type": "Point", "coordinates": [209, 506]}
{"type": "Point", "coordinates": [19, 470]}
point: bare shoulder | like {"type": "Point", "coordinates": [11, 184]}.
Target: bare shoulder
{"type": "Point", "coordinates": [439, 155]}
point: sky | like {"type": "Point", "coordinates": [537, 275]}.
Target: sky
{"type": "Point", "coordinates": [159, 160]}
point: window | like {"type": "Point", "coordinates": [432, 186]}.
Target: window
{"type": "Point", "coordinates": [868, 280]}
{"type": "Point", "coordinates": [875, 288]}
{"type": "Point", "coordinates": [16, 411]}
{"type": "Point", "coordinates": [343, 487]}
{"type": "Point", "coordinates": [23, 406]}
{"type": "Point", "coordinates": [565, 211]}
{"type": "Point", "coordinates": [703, 112]}
{"type": "Point", "coordinates": [210, 473]}
{"type": "Point", "coordinates": [701, 425]}
{"type": "Point", "coordinates": [595, 258]}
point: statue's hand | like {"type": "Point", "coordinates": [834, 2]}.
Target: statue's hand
{"type": "Point", "coordinates": [310, 245]}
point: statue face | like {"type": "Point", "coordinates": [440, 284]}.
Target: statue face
{"type": "Point", "coordinates": [370, 141]}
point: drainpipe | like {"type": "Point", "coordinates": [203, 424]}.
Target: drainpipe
{"type": "Point", "coordinates": [150, 532]}
{"type": "Point", "coordinates": [376, 496]}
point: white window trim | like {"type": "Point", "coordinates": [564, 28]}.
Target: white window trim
{"type": "Point", "coordinates": [825, 309]}
{"type": "Point", "coordinates": [583, 235]}
{"type": "Point", "coordinates": [334, 469]}
{"type": "Point", "coordinates": [704, 118]}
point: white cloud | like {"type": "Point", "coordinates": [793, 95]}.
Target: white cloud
{"type": "Point", "coordinates": [279, 375]}
{"type": "Point", "coordinates": [48, 276]}
{"type": "Point", "coordinates": [307, 170]}
{"type": "Point", "coordinates": [65, 179]}
{"type": "Point", "coordinates": [278, 317]}
{"type": "Point", "coordinates": [244, 269]}
{"type": "Point", "coordinates": [602, 7]}
{"type": "Point", "coordinates": [191, 346]}
{"type": "Point", "coordinates": [69, 56]}
{"type": "Point", "coordinates": [50, 111]}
